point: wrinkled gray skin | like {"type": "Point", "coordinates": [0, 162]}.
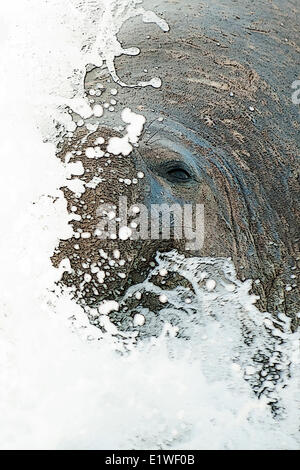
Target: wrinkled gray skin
{"type": "Point", "coordinates": [243, 164]}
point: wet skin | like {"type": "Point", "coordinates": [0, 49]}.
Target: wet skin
{"type": "Point", "coordinates": [227, 140]}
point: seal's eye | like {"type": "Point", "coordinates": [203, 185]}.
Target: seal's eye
{"type": "Point", "coordinates": [178, 174]}
{"type": "Point", "coordinates": [175, 172]}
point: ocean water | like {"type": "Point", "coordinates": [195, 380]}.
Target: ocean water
{"type": "Point", "coordinates": [208, 372]}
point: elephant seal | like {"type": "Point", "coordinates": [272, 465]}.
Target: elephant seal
{"type": "Point", "coordinates": [220, 131]}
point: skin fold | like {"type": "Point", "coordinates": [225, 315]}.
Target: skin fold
{"type": "Point", "coordinates": [228, 121]}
